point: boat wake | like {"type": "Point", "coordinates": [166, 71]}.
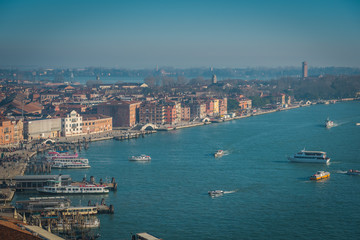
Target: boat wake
{"type": "Point", "coordinates": [233, 191]}
{"type": "Point", "coordinates": [341, 171]}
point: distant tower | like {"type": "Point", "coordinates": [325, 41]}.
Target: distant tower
{"type": "Point", "coordinates": [304, 70]}
{"type": "Point", "coordinates": [214, 79]}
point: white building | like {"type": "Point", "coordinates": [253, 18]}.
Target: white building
{"type": "Point", "coordinates": [72, 124]}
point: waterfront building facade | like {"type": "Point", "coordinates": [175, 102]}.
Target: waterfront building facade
{"type": "Point", "coordinates": [172, 112]}
{"type": "Point", "coordinates": [223, 106]}
{"type": "Point", "coordinates": [216, 107]}
{"type": "Point", "coordinates": [11, 131]}
{"type": "Point", "coordinates": [43, 128]}
{"type": "Point", "coordinates": [152, 112]}
{"type": "Point", "coordinates": [197, 110]}
{"type": "Point", "coordinates": [185, 113]}
{"type": "Point", "coordinates": [245, 103]}
{"type": "Point", "coordinates": [72, 124]}
{"type": "Point", "coordinates": [210, 107]}
{"type": "Point", "coordinates": [96, 123]}
{"type": "Point", "coordinates": [123, 113]}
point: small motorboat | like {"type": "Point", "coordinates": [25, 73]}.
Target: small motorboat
{"type": "Point", "coordinates": [353, 172]}
{"type": "Point", "coordinates": [142, 157]}
{"type": "Point", "coordinates": [216, 193]}
{"type": "Point", "coordinates": [329, 123]}
{"type": "Point", "coordinates": [219, 153]}
{"type": "Point", "coordinates": [320, 175]}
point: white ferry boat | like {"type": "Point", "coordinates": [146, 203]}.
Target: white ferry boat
{"type": "Point", "coordinates": [55, 187]}
{"type": "Point", "coordinates": [329, 123]}
{"type": "Point", "coordinates": [70, 165]}
{"type": "Point", "coordinates": [142, 157]}
{"type": "Point", "coordinates": [51, 155]}
{"type": "Point", "coordinates": [219, 153]}
{"type": "Point", "coordinates": [310, 157]}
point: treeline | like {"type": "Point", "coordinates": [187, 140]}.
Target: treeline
{"type": "Point", "coordinates": [327, 87]}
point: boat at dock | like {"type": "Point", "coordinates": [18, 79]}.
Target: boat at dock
{"type": "Point", "coordinates": [67, 161]}
{"type": "Point", "coordinates": [329, 123]}
{"type": "Point", "coordinates": [310, 157]}
{"type": "Point", "coordinates": [58, 155]}
{"type": "Point", "coordinates": [55, 187]}
{"type": "Point", "coordinates": [320, 175]}
{"type": "Point", "coordinates": [219, 153]}
{"type": "Point", "coordinates": [141, 157]}
{"type": "Point", "coordinates": [69, 224]}
{"type": "Point", "coordinates": [353, 172]}
{"type": "Point", "coordinates": [216, 193]}
{"type": "Point", "coordinates": [70, 165]}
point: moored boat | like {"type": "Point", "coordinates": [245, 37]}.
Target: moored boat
{"type": "Point", "coordinates": [58, 155]}
{"type": "Point", "coordinates": [219, 153]}
{"type": "Point", "coordinates": [142, 157]}
{"type": "Point", "coordinates": [55, 187]}
{"type": "Point", "coordinates": [353, 172]}
{"type": "Point", "coordinates": [320, 175]}
{"type": "Point", "coordinates": [310, 157]}
{"type": "Point", "coordinates": [70, 165]}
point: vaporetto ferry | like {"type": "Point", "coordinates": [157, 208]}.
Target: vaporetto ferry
{"type": "Point", "coordinates": [55, 187]}
{"type": "Point", "coordinates": [310, 157]}
{"type": "Point", "coordinates": [70, 165]}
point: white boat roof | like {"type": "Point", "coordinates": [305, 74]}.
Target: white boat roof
{"type": "Point", "coordinates": [306, 151]}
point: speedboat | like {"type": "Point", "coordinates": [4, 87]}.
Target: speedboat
{"type": "Point", "coordinates": [142, 157]}
{"type": "Point", "coordinates": [353, 172]}
{"type": "Point", "coordinates": [329, 123]}
{"type": "Point", "coordinates": [310, 157]}
{"type": "Point", "coordinates": [216, 193]}
{"type": "Point", "coordinates": [320, 175]}
{"type": "Point", "coordinates": [219, 153]}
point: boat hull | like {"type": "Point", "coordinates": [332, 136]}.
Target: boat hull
{"type": "Point", "coordinates": [308, 160]}
{"type": "Point", "coordinates": [73, 167]}
{"type": "Point", "coordinates": [316, 178]}
{"type": "Point", "coordinates": [67, 192]}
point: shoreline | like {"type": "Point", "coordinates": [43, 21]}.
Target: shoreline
{"type": "Point", "coordinates": [74, 142]}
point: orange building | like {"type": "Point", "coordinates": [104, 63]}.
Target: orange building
{"type": "Point", "coordinates": [245, 103]}
{"type": "Point", "coordinates": [96, 123]}
{"type": "Point", "coordinates": [210, 107]}
{"type": "Point", "coordinates": [11, 131]}
{"type": "Point", "coordinates": [223, 106]}
{"type": "Point", "coordinates": [170, 114]}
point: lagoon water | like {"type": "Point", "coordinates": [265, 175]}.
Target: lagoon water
{"type": "Point", "coordinates": [272, 198]}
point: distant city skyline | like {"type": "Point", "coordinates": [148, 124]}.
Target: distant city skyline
{"type": "Point", "coordinates": [181, 34]}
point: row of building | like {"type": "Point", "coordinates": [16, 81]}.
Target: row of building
{"type": "Point", "coordinates": [109, 114]}
{"type": "Point", "coordinates": [15, 131]}
{"type": "Point", "coordinates": [129, 113]}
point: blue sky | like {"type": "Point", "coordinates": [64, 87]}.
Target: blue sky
{"type": "Point", "coordinates": [141, 34]}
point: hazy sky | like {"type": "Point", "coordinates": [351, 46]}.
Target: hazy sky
{"type": "Point", "coordinates": [141, 34]}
